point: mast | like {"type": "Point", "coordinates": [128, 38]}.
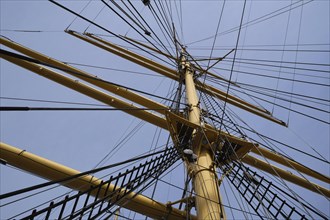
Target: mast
{"type": "Point", "coordinates": [201, 136]}
{"type": "Point", "coordinates": [205, 182]}
{"type": "Point", "coordinates": [200, 126]}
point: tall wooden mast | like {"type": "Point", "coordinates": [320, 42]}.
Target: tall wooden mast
{"type": "Point", "coordinates": [208, 200]}
{"type": "Point", "coordinates": [202, 171]}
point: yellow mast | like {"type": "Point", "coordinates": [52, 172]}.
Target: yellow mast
{"type": "Point", "coordinates": [205, 180]}
{"type": "Point", "coordinates": [145, 115]}
{"type": "Point", "coordinates": [208, 200]}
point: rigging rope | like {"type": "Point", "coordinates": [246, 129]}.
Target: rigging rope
{"type": "Point", "coordinates": [106, 30]}
{"type": "Point", "coordinates": [233, 62]}
{"type": "Point", "coordinates": [19, 108]}
{"type": "Point", "coordinates": [257, 20]}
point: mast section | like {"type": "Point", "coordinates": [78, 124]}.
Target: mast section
{"type": "Point", "coordinates": [205, 181]}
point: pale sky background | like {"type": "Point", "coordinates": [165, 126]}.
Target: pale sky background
{"type": "Point", "coordinates": [81, 139]}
